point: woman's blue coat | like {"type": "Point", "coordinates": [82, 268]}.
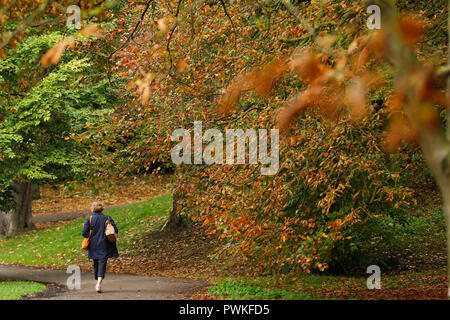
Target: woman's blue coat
{"type": "Point", "coordinates": [99, 246]}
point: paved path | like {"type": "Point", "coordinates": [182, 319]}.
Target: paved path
{"type": "Point", "coordinates": [54, 217]}
{"type": "Point", "coordinates": [115, 286]}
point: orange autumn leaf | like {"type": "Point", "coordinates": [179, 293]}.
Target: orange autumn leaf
{"type": "Point", "coordinates": [144, 87]}
{"type": "Point", "coordinates": [266, 77]}
{"type": "Point", "coordinates": [297, 106]}
{"type": "Point", "coordinates": [91, 30]}
{"type": "Point", "coordinates": [309, 66]}
{"type": "Point", "coordinates": [400, 130]}
{"type": "Point", "coordinates": [229, 100]}
{"type": "Point", "coordinates": [373, 46]}
{"type": "Point", "coordinates": [427, 88]}
{"type": "Point", "coordinates": [411, 29]}
{"type": "Point", "coordinates": [331, 100]}
{"type": "Point", "coordinates": [53, 56]}
{"type": "Point", "coordinates": [13, 44]}
{"type": "Point", "coordinates": [395, 102]}
{"type": "Point", "coordinates": [355, 99]}
{"type": "Point", "coordinates": [426, 115]}
{"type": "Point", "coordinates": [162, 25]}
{"type": "Point", "coordinates": [182, 65]}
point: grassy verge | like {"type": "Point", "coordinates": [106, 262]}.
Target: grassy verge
{"type": "Point", "coordinates": [60, 245]}
{"type": "Point", "coordinates": [11, 290]}
{"type": "Point", "coordinates": [430, 284]}
{"type": "Point", "coordinates": [271, 288]}
{"type": "Point", "coordinates": [249, 289]}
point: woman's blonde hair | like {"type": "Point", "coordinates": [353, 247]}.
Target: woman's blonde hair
{"type": "Point", "coordinates": [96, 206]}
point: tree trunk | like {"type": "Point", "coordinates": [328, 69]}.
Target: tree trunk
{"type": "Point", "coordinates": [3, 223]}
{"type": "Point", "coordinates": [175, 221]}
{"type": "Point", "coordinates": [19, 218]}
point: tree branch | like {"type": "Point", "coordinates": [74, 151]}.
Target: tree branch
{"type": "Point", "coordinates": [171, 35]}
{"type": "Point", "coordinates": [130, 36]}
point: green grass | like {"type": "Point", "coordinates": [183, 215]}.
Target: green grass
{"type": "Point", "coordinates": [268, 288]}
{"type": "Point", "coordinates": [60, 246]}
{"type": "Point", "coordinates": [308, 286]}
{"type": "Point", "coordinates": [234, 289]}
{"type": "Point", "coordinates": [11, 290]}
{"type": "Point", "coordinates": [272, 288]}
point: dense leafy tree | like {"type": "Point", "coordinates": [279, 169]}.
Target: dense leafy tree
{"type": "Point", "coordinates": [311, 66]}
{"type": "Point", "coordinates": [334, 179]}
{"type": "Point", "coordinates": [41, 108]}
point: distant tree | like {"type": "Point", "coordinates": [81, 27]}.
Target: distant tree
{"type": "Point", "coordinates": [40, 109]}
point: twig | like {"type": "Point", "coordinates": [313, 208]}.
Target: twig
{"type": "Point", "coordinates": [171, 35]}
{"type": "Point", "coordinates": [147, 6]}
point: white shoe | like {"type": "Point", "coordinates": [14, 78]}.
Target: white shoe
{"type": "Point", "coordinates": [98, 288]}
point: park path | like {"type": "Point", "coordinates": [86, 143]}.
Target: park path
{"type": "Point", "coordinates": [115, 286]}
{"type": "Point", "coordinates": [55, 217]}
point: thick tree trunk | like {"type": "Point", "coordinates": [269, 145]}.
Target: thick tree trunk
{"type": "Point", "coordinates": [4, 223]}
{"type": "Point", "coordinates": [175, 221]}
{"type": "Point", "coordinates": [19, 218]}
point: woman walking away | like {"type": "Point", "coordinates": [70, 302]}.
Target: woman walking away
{"type": "Point", "coordinates": [100, 249]}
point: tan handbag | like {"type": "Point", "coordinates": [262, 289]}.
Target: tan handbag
{"type": "Point", "coordinates": [110, 233]}
{"type": "Point", "coordinates": [85, 244]}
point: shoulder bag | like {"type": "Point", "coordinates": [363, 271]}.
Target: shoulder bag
{"type": "Point", "coordinates": [85, 244]}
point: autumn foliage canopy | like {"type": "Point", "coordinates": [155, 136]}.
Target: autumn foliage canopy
{"type": "Point", "coordinates": [311, 69]}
